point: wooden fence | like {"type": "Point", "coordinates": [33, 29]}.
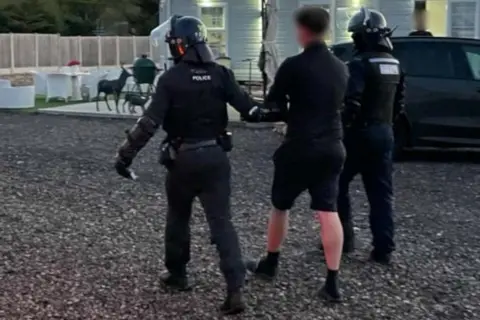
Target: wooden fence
{"type": "Point", "coordinates": [29, 51]}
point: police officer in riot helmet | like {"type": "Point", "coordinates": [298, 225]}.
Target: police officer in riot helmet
{"type": "Point", "coordinates": [190, 103]}
{"type": "Point", "coordinates": [373, 102]}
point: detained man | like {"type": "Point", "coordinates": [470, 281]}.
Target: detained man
{"type": "Point", "coordinates": [308, 94]}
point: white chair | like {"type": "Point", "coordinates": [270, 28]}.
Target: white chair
{"type": "Point", "coordinates": [17, 97]}
{"type": "Point", "coordinates": [59, 85]}
{"type": "Point", "coordinates": [91, 81]}
{"type": "Point", "coordinates": [40, 82]}
{"type": "Point", "coordinates": [4, 83]}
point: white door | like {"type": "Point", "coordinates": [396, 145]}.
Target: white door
{"type": "Point", "coordinates": [464, 18]}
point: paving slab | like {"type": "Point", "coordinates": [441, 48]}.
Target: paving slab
{"type": "Point", "coordinates": [89, 109]}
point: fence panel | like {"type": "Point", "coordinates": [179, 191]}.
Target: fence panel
{"type": "Point", "coordinates": [90, 51]}
{"type": "Point", "coordinates": [126, 50]}
{"type": "Point", "coordinates": [5, 55]}
{"type": "Point", "coordinates": [48, 50]}
{"type": "Point", "coordinates": [52, 50]}
{"type": "Point", "coordinates": [69, 49]}
{"type": "Point", "coordinates": [24, 48]}
{"type": "Point", "coordinates": [109, 51]}
{"type": "Point", "coordinates": [142, 45]}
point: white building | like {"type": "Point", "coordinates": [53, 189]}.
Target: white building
{"type": "Point", "coordinates": [235, 25]}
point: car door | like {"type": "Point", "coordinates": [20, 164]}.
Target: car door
{"type": "Point", "coordinates": [470, 60]}
{"type": "Point", "coordinates": [438, 101]}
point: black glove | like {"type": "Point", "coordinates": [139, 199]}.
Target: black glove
{"type": "Point", "coordinates": [254, 115]}
{"type": "Point", "coordinates": [121, 166]}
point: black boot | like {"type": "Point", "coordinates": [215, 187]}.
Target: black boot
{"type": "Point", "coordinates": [233, 304]}
{"type": "Point", "coordinates": [330, 295]}
{"type": "Point", "coordinates": [175, 281]}
{"type": "Point", "coordinates": [330, 291]}
{"type": "Point", "coordinates": [266, 268]}
{"type": "Point", "coordinates": [384, 258]}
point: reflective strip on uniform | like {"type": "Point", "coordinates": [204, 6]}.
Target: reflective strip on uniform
{"type": "Point", "coordinates": [384, 60]}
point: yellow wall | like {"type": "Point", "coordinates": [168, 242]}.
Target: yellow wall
{"type": "Point", "coordinates": [437, 17]}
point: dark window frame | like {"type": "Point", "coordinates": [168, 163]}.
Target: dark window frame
{"type": "Point", "coordinates": [464, 53]}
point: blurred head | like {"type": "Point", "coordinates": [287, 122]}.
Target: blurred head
{"type": "Point", "coordinates": [144, 56]}
{"type": "Point", "coordinates": [312, 24]}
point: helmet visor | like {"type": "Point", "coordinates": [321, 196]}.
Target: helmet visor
{"type": "Point", "coordinates": [158, 35]}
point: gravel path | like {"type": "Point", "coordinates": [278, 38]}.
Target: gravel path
{"type": "Point", "coordinates": [78, 242]}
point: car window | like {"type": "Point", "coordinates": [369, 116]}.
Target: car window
{"type": "Point", "coordinates": [426, 59]}
{"type": "Point", "coordinates": [473, 58]}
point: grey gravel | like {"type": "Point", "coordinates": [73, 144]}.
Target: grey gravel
{"type": "Point", "coordinates": [78, 242]}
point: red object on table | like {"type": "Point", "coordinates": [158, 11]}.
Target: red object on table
{"type": "Point", "coordinates": [72, 63]}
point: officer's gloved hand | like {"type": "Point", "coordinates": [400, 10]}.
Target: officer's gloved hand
{"type": "Point", "coordinates": [122, 167]}
{"type": "Point", "coordinates": [271, 113]}
{"type": "Point", "coordinates": [254, 115]}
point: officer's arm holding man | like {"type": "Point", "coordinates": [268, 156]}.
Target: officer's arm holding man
{"type": "Point", "coordinates": [239, 99]}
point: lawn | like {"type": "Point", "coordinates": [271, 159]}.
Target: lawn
{"type": "Point", "coordinates": [40, 103]}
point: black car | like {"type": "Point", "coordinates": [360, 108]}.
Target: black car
{"type": "Point", "coordinates": [443, 91]}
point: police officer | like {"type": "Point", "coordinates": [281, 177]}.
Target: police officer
{"type": "Point", "coordinates": [191, 103]}
{"type": "Point", "coordinates": [312, 155]}
{"type": "Point", "coordinates": [374, 99]}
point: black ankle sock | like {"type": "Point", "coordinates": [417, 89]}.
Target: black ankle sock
{"type": "Point", "coordinates": [272, 258]}
{"type": "Point", "coordinates": [332, 280]}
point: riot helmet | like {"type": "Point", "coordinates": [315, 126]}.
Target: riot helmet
{"type": "Point", "coordinates": [370, 31]}
{"type": "Point", "coordinates": [187, 40]}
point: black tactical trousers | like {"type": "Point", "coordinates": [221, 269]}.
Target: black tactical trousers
{"type": "Point", "coordinates": [202, 173]}
{"type": "Point", "coordinates": [369, 153]}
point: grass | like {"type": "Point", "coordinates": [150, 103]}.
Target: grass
{"type": "Point", "coordinates": [40, 103]}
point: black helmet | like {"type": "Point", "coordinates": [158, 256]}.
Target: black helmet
{"type": "Point", "coordinates": [187, 33]}
{"type": "Point", "coordinates": [370, 31]}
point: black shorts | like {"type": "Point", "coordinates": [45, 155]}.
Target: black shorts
{"type": "Point", "coordinates": [318, 172]}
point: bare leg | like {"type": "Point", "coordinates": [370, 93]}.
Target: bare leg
{"type": "Point", "coordinates": [277, 229]}
{"type": "Point", "coordinates": [331, 232]}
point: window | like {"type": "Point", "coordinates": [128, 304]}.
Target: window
{"type": "Point", "coordinates": [342, 17]}
{"type": "Point", "coordinates": [421, 59]}
{"type": "Point", "coordinates": [473, 58]}
{"type": "Point", "coordinates": [462, 17]}
{"type": "Point", "coordinates": [214, 18]}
